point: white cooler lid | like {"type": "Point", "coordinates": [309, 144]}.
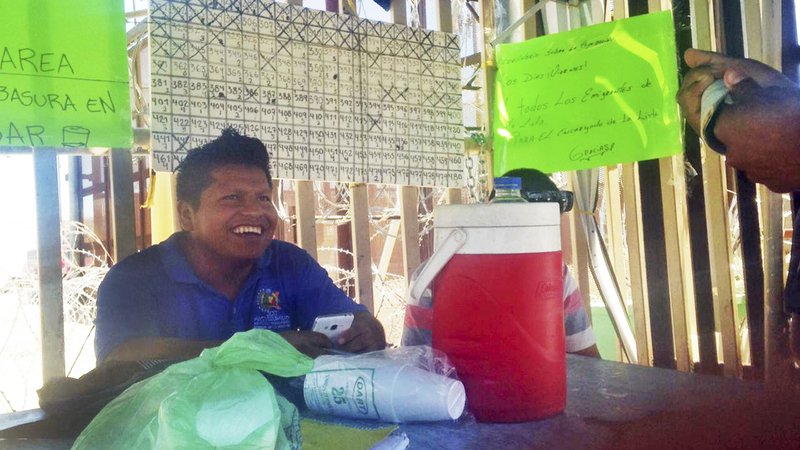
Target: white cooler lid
{"type": "Point", "coordinates": [497, 215]}
{"type": "Point", "coordinates": [503, 228]}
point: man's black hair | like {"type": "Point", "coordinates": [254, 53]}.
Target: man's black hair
{"type": "Point", "coordinates": [533, 181]}
{"type": "Point", "coordinates": [231, 148]}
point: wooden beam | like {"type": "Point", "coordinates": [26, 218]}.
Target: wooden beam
{"type": "Point", "coordinates": [164, 218]}
{"type": "Point", "coordinates": [697, 282]}
{"type": "Point", "coordinates": [700, 263]}
{"type": "Point", "coordinates": [734, 23]}
{"type": "Point", "coordinates": [487, 76]}
{"type": "Point", "coordinates": [408, 195]}
{"type": "Point", "coordinates": [454, 196]}
{"type": "Point", "coordinates": [388, 247]}
{"type": "Point", "coordinates": [122, 210]}
{"type": "Point", "coordinates": [674, 244]}
{"type": "Point", "coordinates": [614, 233]}
{"type": "Point", "coordinates": [409, 199]}
{"type": "Point", "coordinates": [720, 253]}
{"type": "Point", "coordinates": [621, 10]}
{"type": "Point", "coordinates": [399, 12]}
{"type": "Point", "coordinates": [674, 215]}
{"type": "Point", "coordinates": [533, 26]}
{"type": "Point", "coordinates": [636, 266]}
{"type": "Point", "coordinates": [100, 217]}
{"type": "Point", "coordinates": [48, 231]}
{"type": "Point", "coordinates": [555, 17]}
{"type": "Point", "coordinates": [655, 254]}
{"type": "Point", "coordinates": [362, 253]}
{"type": "Point", "coordinates": [445, 12]}
{"type": "Point", "coordinates": [763, 42]}
{"type": "Point", "coordinates": [579, 253]}
{"type": "Point", "coordinates": [305, 199]}
{"type": "Point", "coordinates": [750, 246]}
{"type": "Point", "coordinates": [592, 11]}
{"type": "Point", "coordinates": [716, 202]}
{"type": "Point", "coordinates": [702, 30]}
{"type": "Point", "coordinates": [615, 222]}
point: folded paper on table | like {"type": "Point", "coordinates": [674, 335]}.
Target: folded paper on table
{"type": "Point", "coordinates": [320, 436]}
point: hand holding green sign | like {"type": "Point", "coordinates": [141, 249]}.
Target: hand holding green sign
{"type": "Point", "coordinates": [590, 97]}
{"type": "Point", "coordinates": [64, 74]}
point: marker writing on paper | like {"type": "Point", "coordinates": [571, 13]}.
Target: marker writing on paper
{"type": "Point", "coordinates": [22, 135]}
{"type": "Point", "coordinates": [587, 153]}
{"type": "Point", "coordinates": [29, 60]}
{"type": "Point", "coordinates": [57, 102]}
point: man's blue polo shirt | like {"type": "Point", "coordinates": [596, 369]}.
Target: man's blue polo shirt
{"type": "Point", "coordinates": [155, 293]}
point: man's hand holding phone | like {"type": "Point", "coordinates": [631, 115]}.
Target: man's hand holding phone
{"type": "Point", "coordinates": [349, 332]}
{"type": "Point", "coordinates": [364, 335]}
{"type": "Point", "coordinates": [308, 342]}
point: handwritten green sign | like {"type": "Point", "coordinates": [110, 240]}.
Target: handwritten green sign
{"type": "Point", "coordinates": [64, 74]}
{"type": "Point", "coordinates": [590, 97]}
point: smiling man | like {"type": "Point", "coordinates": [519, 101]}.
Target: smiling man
{"type": "Point", "coordinates": [224, 272]}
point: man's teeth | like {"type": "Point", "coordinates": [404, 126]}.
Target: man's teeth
{"type": "Point", "coordinates": [246, 229]}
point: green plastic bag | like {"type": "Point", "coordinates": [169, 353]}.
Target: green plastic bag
{"type": "Point", "coordinates": [217, 400]}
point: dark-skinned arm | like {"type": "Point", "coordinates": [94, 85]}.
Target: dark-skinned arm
{"type": "Point", "coordinates": [311, 343]}
{"type": "Point", "coordinates": [140, 349]}
{"type": "Point", "coordinates": [591, 352]}
{"type": "Point", "coordinates": [364, 335]}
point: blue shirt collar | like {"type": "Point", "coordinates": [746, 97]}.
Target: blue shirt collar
{"type": "Point", "coordinates": [177, 265]}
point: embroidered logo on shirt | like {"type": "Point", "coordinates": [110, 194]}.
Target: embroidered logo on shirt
{"type": "Point", "coordinates": [268, 300]}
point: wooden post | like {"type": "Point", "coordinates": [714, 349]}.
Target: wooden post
{"type": "Point", "coordinates": [704, 300]}
{"type": "Point", "coordinates": [399, 13]}
{"type": "Point", "coordinates": [362, 254]}
{"type": "Point", "coordinates": [633, 237]}
{"type": "Point", "coordinates": [487, 81]}
{"type": "Point", "coordinates": [409, 198]}
{"type": "Point", "coordinates": [306, 216]}
{"type": "Point", "coordinates": [763, 41]}
{"type": "Point", "coordinates": [720, 258]}
{"type": "Point", "coordinates": [532, 27]}
{"type": "Point", "coordinates": [614, 232]}
{"type": "Point", "coordinates": [580, 252]}
{"type": "Point", "coordinates": [445, 13]}
{"type": "Point", "coordinates": [716, 201]}
{"type": "Point", "coordinates": [733, 24]}
{"type": "Point", "coordinates": [678, 247]}
{"type": "Point", "coordinates": [409, 195]}
{"type": "Point", "coordinates": [674, 253]}
{"type": "Point", "coordinates": [100, 203]}
{"type": "Point", "coordinates": [122, 211]}
{"type": "Point", "coordinates": [48, 230]}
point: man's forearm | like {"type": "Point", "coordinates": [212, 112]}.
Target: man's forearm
{"type": "Point", "coordinates": [159, 348]}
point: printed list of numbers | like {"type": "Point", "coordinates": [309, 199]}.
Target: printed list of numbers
{"type": "Point", "coordinates": [332, 97]}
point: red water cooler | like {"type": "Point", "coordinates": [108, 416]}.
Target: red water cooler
{"type": "Point", "coordinates": [498, 306]}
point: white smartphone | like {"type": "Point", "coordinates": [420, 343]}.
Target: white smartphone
{"type": "Point", "coordinates": [333, 325]}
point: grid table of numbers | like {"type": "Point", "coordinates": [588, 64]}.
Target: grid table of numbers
{"type": "Point", "coordinates": [333, 97]}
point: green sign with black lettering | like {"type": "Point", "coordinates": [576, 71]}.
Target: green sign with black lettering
{"type": "Point", "coordinates": [64, 74]}
{"type": "Point", "coordinates": [590, 97]}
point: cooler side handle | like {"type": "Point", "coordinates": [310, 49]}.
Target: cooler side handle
{"type": "Point", "coordinates": [451, 244]}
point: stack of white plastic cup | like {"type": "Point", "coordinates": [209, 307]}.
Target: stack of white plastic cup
{"type": "Point", "coordinates": [381, 389]}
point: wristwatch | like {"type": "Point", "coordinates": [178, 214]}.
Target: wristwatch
{"type": "Point", "coordinates": [713, 101]}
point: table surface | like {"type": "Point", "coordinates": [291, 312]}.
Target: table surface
{"type": "Point", "coordinates": [610, 405]}
{"type": "Point", "coordinates": [615, 405]}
